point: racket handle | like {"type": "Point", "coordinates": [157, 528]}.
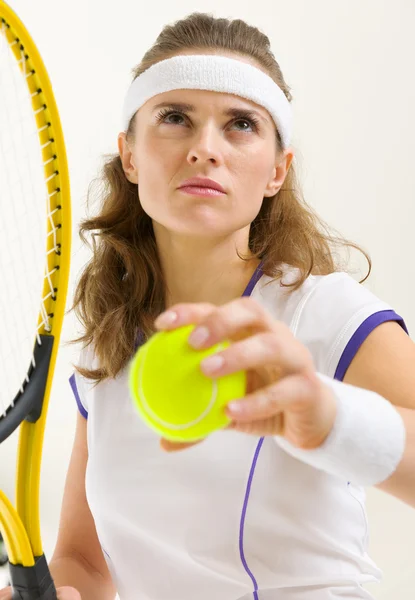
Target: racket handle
{"type": "Point", "coordinates": [32, 583]}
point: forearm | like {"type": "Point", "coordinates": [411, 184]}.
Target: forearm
{"type": "Point", "coordinates": [71, 571]}
{"type": "Point", "coordinates": [401, 483]}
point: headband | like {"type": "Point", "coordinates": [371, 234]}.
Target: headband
{"type": "Point", "coordinates": [215, 73]}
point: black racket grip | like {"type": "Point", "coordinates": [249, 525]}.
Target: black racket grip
{"type": "Point", "coordinates": [32, 583]}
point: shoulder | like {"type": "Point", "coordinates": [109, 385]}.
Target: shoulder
{"type": "Point", "coordinates": [280, 297]}
{"type": "Point", "coordinates": [331, 314]}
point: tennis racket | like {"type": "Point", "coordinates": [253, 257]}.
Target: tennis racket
{"type": "Point", "coordinates": [35, 235]}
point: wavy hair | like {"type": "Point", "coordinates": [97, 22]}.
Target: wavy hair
{"type": "Point", "coordinates": [121, 289]}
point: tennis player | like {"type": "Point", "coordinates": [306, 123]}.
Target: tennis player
{"type": "Point", "coordinates": [202, 221]}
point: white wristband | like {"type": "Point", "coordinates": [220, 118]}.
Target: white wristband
{"type": "Point", "coordinates": [367, 441]}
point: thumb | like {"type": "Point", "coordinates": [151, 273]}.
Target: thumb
{"type": "Point", "coordinates": [66, 593]}
{"type": "Point", "coordinates": [6, 593]}
{"type": "Point", "coordinates": [169, 446]}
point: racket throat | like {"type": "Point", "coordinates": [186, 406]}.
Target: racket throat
{"type": "Point", "coordinates": [28, 404]}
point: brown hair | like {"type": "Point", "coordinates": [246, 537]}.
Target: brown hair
{"type": "Point", "coordinates": [121, 289]}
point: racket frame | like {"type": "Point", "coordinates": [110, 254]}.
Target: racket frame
{"type": "Point", "coordinates": [20, 527]}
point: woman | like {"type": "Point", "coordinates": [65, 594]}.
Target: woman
{"type": "Point", "coordinates": [272, 507]}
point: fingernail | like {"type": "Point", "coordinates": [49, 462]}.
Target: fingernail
{"type": "Point", "coordinates": [212, 364]}
{"type": "Point", "coordinates": [235, 407]}
{"type": "Point", "coordinates": [198, 336]}
{"type": "Point", "coordinates": [165, 319]}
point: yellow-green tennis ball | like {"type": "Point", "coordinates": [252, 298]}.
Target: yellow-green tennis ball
{"type": "Point", "coordinates": [172, 394]}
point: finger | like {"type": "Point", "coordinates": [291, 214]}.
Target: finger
{"type": "Point", "coordinates": [183, 314]}
{"type": "Point", "coordinates": [259, 351]}
{"type": "Point", "coordinates": [294, 392]}
{"type": "Point", "coordinates": [6, 593]}
{"type": "Point", "coordinates": [271, 426]}
{"type": "Point", "coordinates": [235, 320]}
{"type": "Point", "coordinates": [68, 593]}
{"type": "Point", "coordinates": [169, 446]}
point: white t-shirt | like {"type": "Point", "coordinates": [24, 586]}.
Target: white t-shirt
{"type": "Point", "coordinates": [235, 517]}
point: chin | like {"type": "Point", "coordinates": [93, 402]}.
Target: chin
{"type": "Point", "coordinates": [197, 228]}
{"type": "Point", "coordinates": [203, 222]}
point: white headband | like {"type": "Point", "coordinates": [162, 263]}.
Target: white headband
{"type": "Point", "coordinates": [215, 73]}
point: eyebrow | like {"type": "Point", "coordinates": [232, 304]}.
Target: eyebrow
{"type": "Point", "coordinates": [230, 112]}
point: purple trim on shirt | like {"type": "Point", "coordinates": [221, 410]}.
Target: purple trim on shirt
{"type": "Point", "coordinates": [248, 291]}
{"type": "Point", "coordinates": [105, 552]}
{"type": "Point", "coordinates": [139, 340]}
{"type": "Point", "coordinates": [242, 522]}
{"type": "Point", "coordinates": [254, 280]}
{"type": "Point", "coordinates": [77, 398]}
{"type": "Point", "coordinates": [360, 335]}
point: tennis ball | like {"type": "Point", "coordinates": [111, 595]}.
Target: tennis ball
{"type": "Point", "coordinates": [172, 394]}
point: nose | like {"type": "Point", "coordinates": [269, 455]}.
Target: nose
{"type": "Point", "coordinates": [206, 146]}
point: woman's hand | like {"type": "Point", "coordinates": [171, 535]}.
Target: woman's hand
{"type": "Point", "coordinates": [284, 396]}
{"type": "Point", "coordinates": [64, 593]}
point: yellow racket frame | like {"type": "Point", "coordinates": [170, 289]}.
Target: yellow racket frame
{"type": "Point", "coordinates": [20, 527]}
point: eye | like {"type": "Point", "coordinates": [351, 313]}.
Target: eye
{"type": "Point", "coordinates": [175, 117]}
{"type": "Point", "coordinates": [164, 114]}
{"type": "Point", "coordinates": [250, 123]}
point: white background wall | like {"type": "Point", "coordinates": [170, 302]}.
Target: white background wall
{"type": "Point", "coordinates": [350, 67]}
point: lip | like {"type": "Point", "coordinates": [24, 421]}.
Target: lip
{"type": "Point", "coordinates": [202, 182]}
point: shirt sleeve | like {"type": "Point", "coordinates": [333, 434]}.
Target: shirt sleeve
{"type": "Point", "coordinates": [78, 384]}
{"type": "Point", "coordinates": [334, 319]}
{"type": "Point", "coordinates": [80, 398]}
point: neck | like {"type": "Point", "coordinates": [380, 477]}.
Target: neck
{"type": "Point", "coordinates": [206, 272]}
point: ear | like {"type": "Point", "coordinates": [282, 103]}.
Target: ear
{"type": "Point", "coordinates": [127, 159]}
{"type": "Point", "coordinates": [279, 173]}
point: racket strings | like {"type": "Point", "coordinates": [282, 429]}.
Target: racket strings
{"type": "Point", "coordinates": [15, 198]}
{"type": "Point", "coordinates": [24, 231]}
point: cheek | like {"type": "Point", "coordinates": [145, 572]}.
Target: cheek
{"type": "Point", "coordinates": [252, 173]}
{"type": "Point", "coordinates": [157, 165]}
